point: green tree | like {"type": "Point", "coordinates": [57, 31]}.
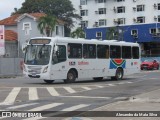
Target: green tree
{"type": "Point", "coordinates": [46, 25]}
{"type": "Point", "coordinates": [111, 33]}
{"type": "Point", "coordinates": [62, 9]}
{"type": "Point", "coordinates": [78, 33]}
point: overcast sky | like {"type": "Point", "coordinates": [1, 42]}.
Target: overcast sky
{"type": "Point", "coordinates": [7, 7]}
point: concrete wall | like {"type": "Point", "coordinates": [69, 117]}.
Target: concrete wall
{"type": "Point", "coordinates": [10, 67]}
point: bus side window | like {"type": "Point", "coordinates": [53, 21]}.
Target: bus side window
{"type": "Point", "coordinates": [115, 51]}
{"type": "Point", "coordinates": [89, 51]}
{"type": "Point", "coordinates": [126, 52]}
{"type": "Point", "coordinates": [103, 51]}
{"type": "Point", "coordinates": [60, 55]}
{"type": "Point", "coordinates": [135, 52]}
{"type": "Point", "coordinates": [74, 50]}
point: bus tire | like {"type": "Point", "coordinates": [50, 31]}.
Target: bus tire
{"type": "Point", "coordinates": [71, 77]}
{"type": "Point", "coordinates": [118, 75]}
{"type": "Point", "coordinates": [98, 78]}
{"type": "Point", "coordinates": [49, 81]}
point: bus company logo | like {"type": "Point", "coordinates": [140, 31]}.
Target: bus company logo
{"type": "Point", "coordinates": [83, 63]}
{"type": "Point", "coordinates": [114, 63]}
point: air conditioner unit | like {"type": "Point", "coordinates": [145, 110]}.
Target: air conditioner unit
{"type": "Point", "coordinates": [114, 9]}
{"type": "Point", "coordinates": [96, 12]}
{"type": "Point", "coordinates": [95, 24]}
{"type": "Point", "coordinates": [115, 20]}
{"type": "Point", "coordinates": [155, 5]}
{"type": "Point", "coordinates": [80, 6]}
{"type": "Point", "coordinates": [155, 18]}
{"type": "Point", "coordinates": [134, 19]}
{"type": "Point", "coordinates": [134, 8]}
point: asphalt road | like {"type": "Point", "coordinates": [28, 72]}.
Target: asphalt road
{"type": "Point", "coordinates": [23, 94]}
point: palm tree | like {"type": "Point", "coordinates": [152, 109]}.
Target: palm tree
{"type": "Point", "coordinates": [46, 25]}
{"type": "Point", "coordinates": [78, 33]}
{"type": "Point", "coordinates": [111, 32]}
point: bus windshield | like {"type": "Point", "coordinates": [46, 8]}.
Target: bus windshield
{"type": "Point", "coordinates": [37, 54]}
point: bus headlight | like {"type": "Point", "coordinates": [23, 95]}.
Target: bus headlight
{"type": "Point", "coordinates": [45, 69]}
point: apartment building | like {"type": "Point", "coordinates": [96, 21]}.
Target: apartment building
{"type": "Point", "coordinates": [125, 20]}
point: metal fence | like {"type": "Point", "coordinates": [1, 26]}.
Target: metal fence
{"type": "Point", "coordinates": [10, 67]}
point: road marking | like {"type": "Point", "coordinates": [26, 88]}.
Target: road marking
{"type": "Point", "coordinates": [75, 107]}
{"type": "Point", "coordinates": [99, 86]}
{"type": "Point", "coordinates": [11, 97]}
{"type": "Point", "coordinates": [86, 88]}
{"type": "Point", "coordinates": [120, 98]}
{"type": "Point", "coordinates": [87, 97]}
{"type": "Point", "coordinates": [52, 91]}
{"type": "Point", "coordinates": [111, 85]}
{"type": "Point", "coordinates": [69, 89]}
{"type": "Point", "coordinates": [33, 95]}
{"type": "Point", "coordinates": [44, 107]}
{"type": "Point", "coordinates": [21, 106]}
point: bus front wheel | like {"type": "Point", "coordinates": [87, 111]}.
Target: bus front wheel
{"type": "Point", "coordinates": [49, 81]}
{"type": "Point", "coordinates": [71, 77]}
{"type": "Point", "coordinates": [118, 75]}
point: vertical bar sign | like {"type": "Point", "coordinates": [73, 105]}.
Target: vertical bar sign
{"type": "Point", "coordinates": [2, 42]}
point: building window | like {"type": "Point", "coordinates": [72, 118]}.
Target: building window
{"type": "Point", "coordinates": [102, 22]}
{"type": "Point", "coordinates": [83, 2]}
{"type": "Point", "coordinates": [102, 10]}
{"type": "Point", "coordinates": [153, 31]}
{"type": "Point", "coordinates": [84, 12]}
{"type": "Point", "coordinates": [101, 1]}
{"type": "Point", "coordinates": [158, 6]}
{"type": "Point", "coordinates": [120, 0]}
{"type": "Point", "coordinates": [99, 35]}
{"type": "Point", "coordinates": [158, 18]}
{"type": "Point", "coordinates": [27, 28]}
{"type": "Point", "coordinates": [140, 8]}
{"type": "Point", "coordinates": [134, 32]}
{"type": "Point", "coordinates": [121, 9]}
{"type": "Point", "coordinates": [57, 30]}
{"type": "Point", "coordinates": [121, 21]}
{"type": "Point", "coordinates": [141, 19]}
{"type": "Point", "coordinates": [84, 24]}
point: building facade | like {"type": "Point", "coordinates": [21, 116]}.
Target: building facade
{"type": "Point", "coordinates": [20, 28]}
{"type": "Point", "coordinates": [125, 20]}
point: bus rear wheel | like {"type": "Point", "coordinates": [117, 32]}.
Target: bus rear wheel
{"type": "Point", "coordinates": [49, 81]}
{"type": "Point", "coordinates": [118, 75]}
{"type": "Point", "coordinates": [71, 77]}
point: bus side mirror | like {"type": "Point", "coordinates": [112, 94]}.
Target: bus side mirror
{"type": "Point", "coordinates": [24, 46]}
{"type": "Point", "coordinates": [55, 48]}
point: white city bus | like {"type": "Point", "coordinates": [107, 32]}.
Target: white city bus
{"type": "Point", "coordinates": [62, 58]}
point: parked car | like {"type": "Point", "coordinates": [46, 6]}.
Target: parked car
{"type": "Point", "coordinates": [150, 65]}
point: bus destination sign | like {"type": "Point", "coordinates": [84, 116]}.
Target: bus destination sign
{"type": "Point", "coordinates": [39, 41]}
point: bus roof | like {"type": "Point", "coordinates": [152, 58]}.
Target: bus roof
{"type": "Point", "coordinates": [85, 41]}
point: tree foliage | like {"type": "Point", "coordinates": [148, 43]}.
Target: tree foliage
{"type": "Point", "coordinates": [78, 33]}
{"type": "Point", "coordinates": [111, 32]}
{"type": "Point", "coordinates": [62, 9]}
{"type": "Point", "coordinates": [46, 25]}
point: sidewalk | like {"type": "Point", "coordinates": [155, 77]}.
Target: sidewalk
{"type": "Point", "coordinates": [144, 102]}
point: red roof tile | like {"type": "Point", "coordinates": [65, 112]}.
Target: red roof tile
{"type": "Point", "coordinates": [10, 20]}
{"type": "Point", "coordinates": [10, 35]}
